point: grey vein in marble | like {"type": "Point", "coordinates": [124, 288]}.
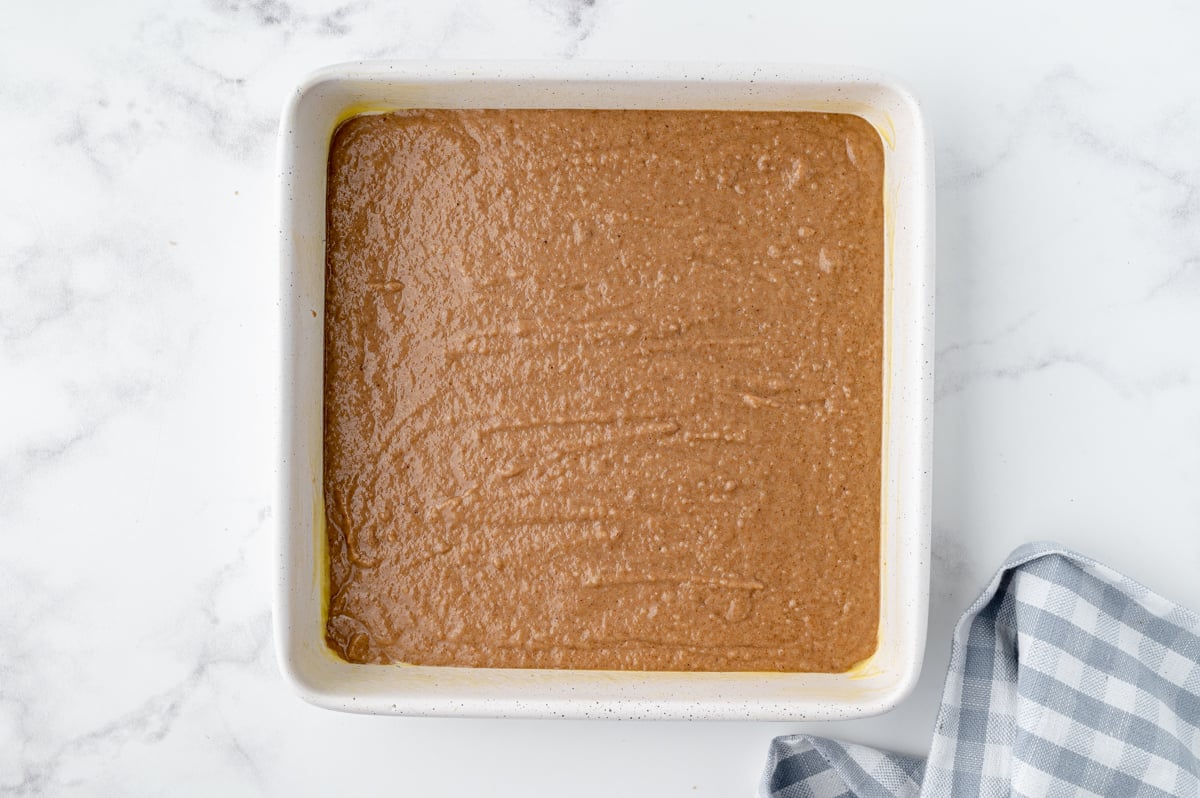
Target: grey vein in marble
{"type": "Point", "coordinates": [580, 17]}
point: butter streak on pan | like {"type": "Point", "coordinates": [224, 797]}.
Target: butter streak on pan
{"type": "Point", "coordinates": [886, 129]}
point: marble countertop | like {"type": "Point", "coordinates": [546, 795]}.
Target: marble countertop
{"type": "Point", "coordinates": [139, 347]}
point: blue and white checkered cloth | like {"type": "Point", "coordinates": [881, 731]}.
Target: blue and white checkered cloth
{"type": "Point", "coordinates": [1066, 679]}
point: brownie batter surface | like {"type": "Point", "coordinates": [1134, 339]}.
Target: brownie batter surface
{"type": "Point", "coordinates": [603, 389]}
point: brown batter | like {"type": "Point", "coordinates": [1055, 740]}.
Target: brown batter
{"type": "Point", "coordinates": [603, 389]}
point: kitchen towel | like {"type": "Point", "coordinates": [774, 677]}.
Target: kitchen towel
{"type": "Point", "coordinates": [1066, 679]}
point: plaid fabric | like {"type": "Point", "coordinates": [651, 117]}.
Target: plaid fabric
{"type": "Point", "coordinates": [1066, 679]}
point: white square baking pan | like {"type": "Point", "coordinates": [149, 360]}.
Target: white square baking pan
{"type": "Point", "coordinates": [309, 120]}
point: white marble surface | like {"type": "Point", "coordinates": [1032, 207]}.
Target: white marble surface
{"type": "Point", "coordinates": [138, 350]}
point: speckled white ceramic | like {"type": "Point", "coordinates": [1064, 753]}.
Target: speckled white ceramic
{"type": "Point", "coordinates": [878, 684]}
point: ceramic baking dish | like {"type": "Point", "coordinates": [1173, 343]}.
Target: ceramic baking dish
{"type": "Point", "coordinates": [332, 95]}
